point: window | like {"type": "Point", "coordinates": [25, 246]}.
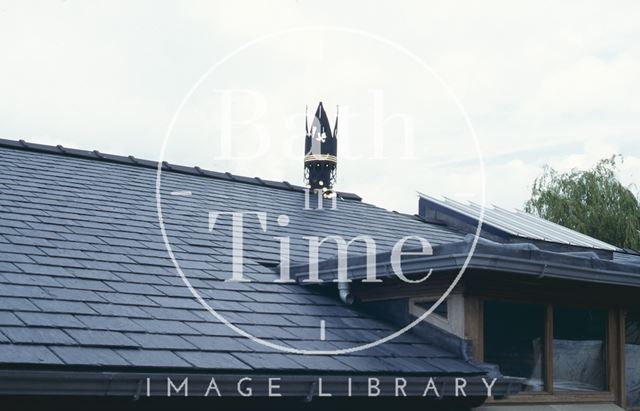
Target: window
{"type": "Point", "coordinates": [448, 316]}
{"type": "Point", "coordinates": [556, 349]}
{"type": "Point", "coordinates": [632, 358]}
{"type": "Point", "coordinates": [514, 336]}
{"type": "Point", "coordinates": [579, 349]}
{"type": "Point", "coordinates": [441, 310]}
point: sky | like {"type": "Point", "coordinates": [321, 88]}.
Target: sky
{"type": "Point", "coordinates": [467, 100]}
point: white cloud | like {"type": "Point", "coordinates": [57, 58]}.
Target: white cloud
{"type": "Point", "coordinates": [543, 82]}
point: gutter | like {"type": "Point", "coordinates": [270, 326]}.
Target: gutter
{"type": "Point", "coordinates": [498, 257]}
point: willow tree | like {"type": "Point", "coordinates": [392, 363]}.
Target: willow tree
{"type": "Point", "coordinates": [593, 202]}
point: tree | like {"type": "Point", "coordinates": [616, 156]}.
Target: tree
{"type": "Point", "coordinates": [592, 202]}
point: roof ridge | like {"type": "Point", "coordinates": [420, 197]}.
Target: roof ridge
{"type": "Point", "coordinates": [133, 161]}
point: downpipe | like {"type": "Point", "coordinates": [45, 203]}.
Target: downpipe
{"type": "Point", "coordinates": [344, 290]}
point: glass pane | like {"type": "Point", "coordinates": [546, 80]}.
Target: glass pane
{"type": "Point", "coordinates": [632, 359]}
{"type": "Point", "coordinates": [579, 349]}
{"type": "Point", "coordinates": [440, 310]}
{"type": "Point", "coordinates": [514, 340]}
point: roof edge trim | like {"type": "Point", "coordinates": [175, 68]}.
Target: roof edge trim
{"type": "Point", "coordinates": [133, 161]}
{"type": "Point", "coordinates": [492, 258]}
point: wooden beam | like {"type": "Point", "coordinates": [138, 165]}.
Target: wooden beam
{"type": "Point", "coordinates": [622, 339]}
{"type": "Point", "coordinates": [613, 346]}
{"type": "Point", "coordinates": [548, 351]}
{"type": "Point", "coordinates": [473, 324]}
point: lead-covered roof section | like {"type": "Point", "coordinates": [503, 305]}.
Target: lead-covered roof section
{"type": "Point", "coordinates": [512, 223]}
{"type": "Point", "coordinates": [85, 279]}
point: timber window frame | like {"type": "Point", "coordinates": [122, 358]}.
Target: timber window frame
{"type": "Point", "coordinates": [475, 327]}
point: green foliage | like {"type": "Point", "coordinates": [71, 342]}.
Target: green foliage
{"type": "Point", "coordinates": [592, 202]}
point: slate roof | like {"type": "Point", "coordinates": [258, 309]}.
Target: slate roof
{"type": "Point", "coordinates": [85, 279]}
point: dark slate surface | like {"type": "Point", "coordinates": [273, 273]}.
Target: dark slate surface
{"type": "Point", "coordinates": [85, 279]}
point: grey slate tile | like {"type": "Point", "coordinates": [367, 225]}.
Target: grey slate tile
{"type": "Point", "coordinates": [165, 262]}
{"type": "Point", "coordinates": [266, 319]}
{"type": "Point", "coordinates": [137, 278]}
{"type": "Point", "coordinates": [162, 313]}
{"type": "Point", "coordinates": [72, 295]}
{"type": "Point", "coordinates": [64, 252]}
{"type": "Point", "coordinates": [149, 269]}
{"type": "Point", "coordinates": [173, 302]}
{"type": "Point", "coordinates": [122, 242]}
{"type": "Point", "coordinates": [126, 299]}
{"type": "Point", "coordinates": [103, 265]}
{"type": "Point", "coordinates": [212, 328]}
{"type": "Point", "coordinates": [81, 284]}
{"type": "Point", "coordinates": [91, 274]}
{"type": "Point", "coordinates": [166, 341]}
{"type": "Point", "coordinates": [7, 318]}
{"type": "Point", "coordinates": [173, 291]}
{"type": "Point", "coordinates": [323, 363]}
{"type": "Point", "coordinates": [101, 338]}
{"type": "Point", "coordinates": [225, 292]}
{"type": "Point", "coordinates": [429, 350]}
{"type": "Point", "coordinates": [266, 297]}
{"type": "Point", "coordinates": [49, 320]}
{"type": "Point", "coordinates": [266, 331]}
{"type": "Point", "coordinates": [30, 279]}
{"type": "Point", "coordinates": [213, 360]}
{"type": "Point", "coordinates": [27, 354]}
{"type": "Point", "coordinates": [368, 363]}
{"type": "Point", "coordinates": [454, 365]}
{"type": "Point", "coordinates": [8, 230]}
{"type": "Point", "coordinates": [12, 290]}
{"type": "Point", "coordinates": [164, 326]}
{"type": "Point", "coordinates": [97, 322]}
{"type": "Point", "coordinates": [33, 335]}
{"type": "Point", "coordinates": [14, 258]}
{"type": "Point", "coordinates": [274, 361]}
{"type": "Point", "coordinates": [26, 240]}
{"type": "Point", "coordinates": [212, 343]}
{"type": "Point", "coordinates": [132, 288]}
{"type": "Point", "coordinates": [51, 270]}
{"type": "Point", "coordinates": [80, 238]}
{"type": "Point", "coordinates": [57, 261]}
{"type": "Point", "coordinates": [57, 306]}
{"type": "Point", "coordinates": [314, 345]}
{"type": "Point", "coordinates": [406, 364]}
{"type": "Point", "coordinates": [38, 233]}
{"type": "Point", "coordinates": [118, 310]}
{"type": "Point", "coordinates": [89, 356]}
{"type": "Point", "coordinates": [109, 257]}
{"type": "Point", "coordinates": [20, 249]}
{"type": "Point", "coordinates": [223, 306]}
{"type": "Point", "coordinates": [73, 245]}
{"type": "Point", "coordinates": [8, 268]}
{"type": "Point", "coordinates": [17, 304]}
{"type": "Point", "coordinates": [153, 358]}
{"type": "Point", "coordinates": [13, 223]}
